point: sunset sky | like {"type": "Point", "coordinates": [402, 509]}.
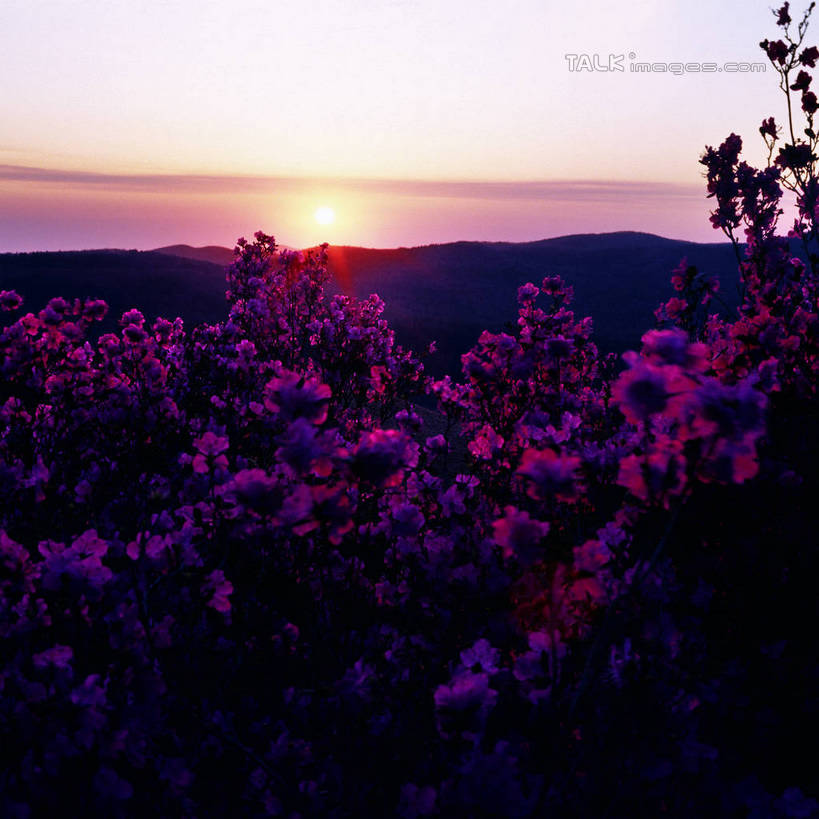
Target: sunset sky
{"type": "Point", "coordinates": [137, 123]}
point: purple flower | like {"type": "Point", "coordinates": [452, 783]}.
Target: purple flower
{"type": "Point", "coordinates": [646, 389]}
{"type": "Point", "coordinates": [218, 589]}
{"type": "Point", "coordinates": [417, 801]}
{"type": "Point", "coordinates": [294, 396]}
{"type": "Point", "coordinates": [95, 309]}
{"type": "Point", "coordinates": [134, 317]}
{"type": "Point", "coordinates": [519, 535]}
{"type": "Point", "coordinates": [467, 691]}
{"type": "Point", "coordinates": [382, 455]}
{"type": "Point", "coordinates": [252, 487]}
{"type": "Point", "coordinates": [210, 444]}
{"type": "Point", "coordinates": [407, 519]}
{"type": "Point", "coordinates": [58, 656]}
{"type": "Point", "coordinates": [481, 657]}
{"type": "Point", "coordinates": [109, 785]}
{"type": "Point", "coordinates": [671, 347]}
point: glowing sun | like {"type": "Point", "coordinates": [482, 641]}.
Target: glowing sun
{"type": "Point", "coordinates": [325, 215]}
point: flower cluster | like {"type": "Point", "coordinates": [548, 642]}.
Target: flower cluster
{"type": "Point", "coordinates": [246, 569]}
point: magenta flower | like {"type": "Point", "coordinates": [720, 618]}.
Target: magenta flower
{"type": "Point", "coordinates": [527, 293]}
{"type": "Point", "coordinates": [95, 309]}
{"type": "Point", "coordinates": [134, 317]}
{"type": "Point", "coordinates": [550, 474]}
{"type": "Point", "coordinates": [486, 444]}
{"type": "Point", "coordinates": [10, 300]}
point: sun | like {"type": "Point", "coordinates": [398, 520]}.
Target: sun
{"type": "Point", "coordinates": [325, 215]}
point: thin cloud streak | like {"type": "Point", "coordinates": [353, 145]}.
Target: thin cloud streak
{"type": "Point", "coordinates": [571, 190]}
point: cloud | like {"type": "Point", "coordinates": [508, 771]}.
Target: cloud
{"type": "Point", "coordinates": [552, 190]}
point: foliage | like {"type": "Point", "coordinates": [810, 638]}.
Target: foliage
{"type": "Point", "coordinates": [238, 578]}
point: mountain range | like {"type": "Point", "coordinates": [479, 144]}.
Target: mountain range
{"type": "Point", "coordinates": [449, 292]}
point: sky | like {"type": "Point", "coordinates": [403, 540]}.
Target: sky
{"type": "Point", "coordinates": [138, 123]}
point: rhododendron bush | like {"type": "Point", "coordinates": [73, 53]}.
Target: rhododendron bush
{"type": "Point", "coordinates": [241, 574]}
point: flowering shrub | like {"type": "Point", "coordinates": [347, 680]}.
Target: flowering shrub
{"type": "Point", "coordinates": [239, 577]}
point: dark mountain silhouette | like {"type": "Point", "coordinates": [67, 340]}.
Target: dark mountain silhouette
{"type": "Point", "coordinates": [222, 256]}
{"type": "Point", "coordinates": [156, 283]}
{"type": "Point", "coordinates": [452, 292]}
{"type": "Point", "coordinates": [449, 293]}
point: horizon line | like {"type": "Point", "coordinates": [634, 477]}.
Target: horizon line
{"type": "Point", "coordinates": [282, 246]}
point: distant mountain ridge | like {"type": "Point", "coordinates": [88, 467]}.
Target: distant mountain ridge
{"type": "Point", "coordinates": [446, 292]}
{"type": "Point", "coordinates": [215, 254]}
